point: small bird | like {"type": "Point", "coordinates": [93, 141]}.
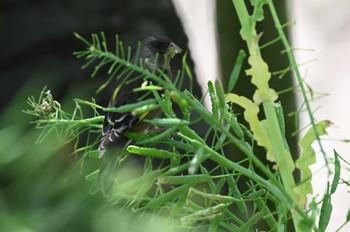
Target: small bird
{"type": "Point", "coordinates": [155, 53]}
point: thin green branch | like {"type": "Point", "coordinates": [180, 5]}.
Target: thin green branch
{"type": "Point", "coordinates": [294, 65]}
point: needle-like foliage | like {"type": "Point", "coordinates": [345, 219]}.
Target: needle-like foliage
{"type": "Point", "coordinates": [191, 176]}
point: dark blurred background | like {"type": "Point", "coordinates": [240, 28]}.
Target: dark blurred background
{"type": "Point", "coordinates": [41, 186]}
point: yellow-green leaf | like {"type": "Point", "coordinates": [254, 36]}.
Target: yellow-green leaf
{"type": "Point", "coordinates": [307, 158]}
{"type": "Point", "coordinates": [251, 111]}
{"type": "Point", "coordinates": [260, 76]}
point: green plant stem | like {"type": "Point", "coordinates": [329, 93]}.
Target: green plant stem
{"type": "Point", "coordinates": [278, 146]}
{"type": "Point", "coordinates": [86, 121]}
{"type": "Point", "coordinates": [292, 61]}
{"type": "Point", "coordinates": [282, 155]}
{"type": "Point", "coordinates": [272, 185]}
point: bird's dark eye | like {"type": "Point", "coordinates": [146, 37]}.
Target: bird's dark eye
{"type": "Point", "coordinates": [161, 46]}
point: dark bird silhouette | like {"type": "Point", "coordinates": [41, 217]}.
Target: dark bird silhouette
{"type": "Point", "coordinates": [155, 53]}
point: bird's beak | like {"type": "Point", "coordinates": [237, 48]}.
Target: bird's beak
{"type": "Point", "coordinates": [173, 50]}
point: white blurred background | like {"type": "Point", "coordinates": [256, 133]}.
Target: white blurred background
{"type": "Point", "coordinates": [322, 27]}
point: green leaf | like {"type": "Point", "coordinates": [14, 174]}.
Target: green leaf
{"type": "Point", "coordinates": [307, 223]}
{"type": "Point", "coordinates": [92, 176]}
{"type": "Point", "coordinates": [159, 137]}
{"type": "Point", "coordinates": [326, 211]}
{"type": "Point", "coordinates": [260, 77]}
{"type": "Point", "coordinates": [235, 192]}
{"type": "Point", "coordinates": [197, 159]}
{"type": "Point", "coordinates": [220, 95]}
{"type": "Point", "coordinates": [214, 100]}
{"type": "Point", "coordinates": [258, 14]}
{"type": "Point", "coordinates": [252, 221]}
{"type": "Point", "coordinates": [202, 215]}
{"type": "Point", "coordinates": [251, 111]}
{"type": "Point", "coordinates": [150, 152]}
{"type": "Point", "coordinates": [130, 107]}
{"type": "Point", "coordinates": [215, 223]}
{"type": "Point", "coordinates": [307, 158]}
{"type": "Point", "coordinates": [166, 122]}
{"type": "Point", "coordinates": [337, 169]}
{"type": "Point", "coordinates": [170, 196]}
{"type": "Point", "coordinates": [93, 153]}
{"type": "Point", "coordinates": [190, 180]}
{"type": "Point", "coordinates": [236, 70]}
{"type": "Point", "coordinates": [144, 110]}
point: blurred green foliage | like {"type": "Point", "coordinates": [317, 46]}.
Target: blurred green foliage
{"type": "Point", "coordinates": [41, 185]}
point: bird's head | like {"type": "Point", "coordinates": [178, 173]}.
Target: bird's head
{"type": "Point", "coordinates": [161, 45]}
